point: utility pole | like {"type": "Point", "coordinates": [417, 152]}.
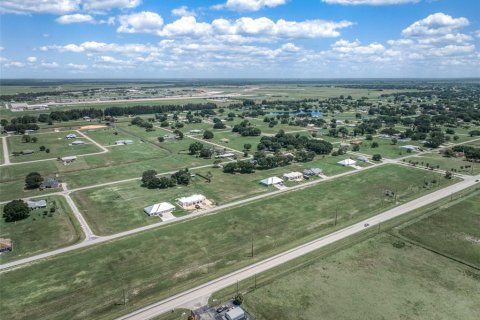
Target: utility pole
{"type": "Point", "coordinates": [252, 246]}
{"type": "Point", "coordinates": [379, 227]}
{"type": "Point", "coordinates": [124, 298]}
{"type": "Point", "coordinates": [255, 281]}
{"type": "Point", "coordinates": [336, 215]}
{"type": "Point", "coordinates": [237, 287]}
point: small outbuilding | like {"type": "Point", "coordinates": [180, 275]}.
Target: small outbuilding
{"type": "Point", "coordinates": [225, 155]}
{"type": "Point", "coordinates": [193, 200]}
{"type": "Point", "coordinates": [68, 159]}
{"type": "Point", "coordinates": [36, 204]}
{"type": "Point", "coordinates": [410, 147]}
{"type": "Point", "coordinates": [77, 142]}
{"type": "Point", "coordinates": [123, 142]}
{"type": "Point", "coordinates": [28, 151]}
{"type": "Point", "coordinates": [293, 176]}
{"type": "Point", "coordinates": [271, 181]}
{"type": "Point", "coordinates": [196, 131]}
{"type": "Point", "coordinates": [362, 158]}
{"type": "Point", "coordinates": [159, 209]}
{"type": "Point", "coordinates": [347, 162]}
{"type": "Point", "coordinates": [236, 314]}
{"type": "Point", "coordinates": [71, 136]}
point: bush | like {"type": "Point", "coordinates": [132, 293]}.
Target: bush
{"type": "Point", "coordinates": [238, 300]}
{"type": "Point", "coordinates": [398, 244]}
{"type": "Point", "coordinates": [376, 157]}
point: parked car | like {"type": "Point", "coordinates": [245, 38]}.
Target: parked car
{"type": "Point", "coordinates": [366, 225]}
{"type": "Point", "coordinates": [221, 309]}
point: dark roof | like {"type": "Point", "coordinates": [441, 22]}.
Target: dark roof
{"type": "Point", "coordinates": [50, 183]}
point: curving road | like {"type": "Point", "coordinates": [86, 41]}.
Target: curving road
{"type": "Point", "coordinates": [199, 295]}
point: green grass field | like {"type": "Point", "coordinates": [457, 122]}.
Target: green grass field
{"type": "Point", "coordinates": [453, 230]}
{"type": "Point", "coordinates": [385, 148]}
{"type": "Point", "coordinates": [150, 265]}
{"type": "Point", "coordinates": [57, 143]}
{"type": "Point", "coordinates": [41, 232]}
{"type": "Point", "coordinates": [371, 280]}
{"type": "Point", "coordinates": [459, 165]}
{"type": "Point", "coordinates": [235, 141]}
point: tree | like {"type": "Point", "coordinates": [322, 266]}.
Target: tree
{"type": "Point", "coordinates": [47, 150]}
{"type": "Point", "coordinates": [230, 167]}
{"type": "Point", "coordinates": [179, 134]}
{"type": "Point", "coordinates": [148, 178]}
{"type": "Point", "coordinates": [448, 175]}
{"type": "Point", "coordinates": [208, 134]}
{"type": "Point", "coordinates": [219, 125]}
{"type": "Point", "coordinates": [195, 147]}
{"type": "Point", "coordinates": [377, 157]}
{"type": "Point", "coordinates": [394, 141]}
{"type": "Point", "coordinates": [15, 210]}
{"type": "Point", "coordinates": [26, 139]}
{"type": "Point", "coordinates": [33, 180]}
{"type": "Point", "coordinates": [369, 137]}
{"type": "Point", "coordinates": [374, 144]}
{"type": "Point", "coordinates": [247, 146]}
{"type": "Point", "coordinates": [42, 148]}
{"type": "Point", "coordinates": [161, 139]}
{"type": "Point", "coordinates": [182, 177]}
{"type": "Point", "coordinates": [206, 153]}
{"type": "Point", "coordinates": [238, 300]}
{"type": "Point", "coordinates": [355, 148]}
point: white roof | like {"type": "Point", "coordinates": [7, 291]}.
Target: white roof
{"type": "Point", "coordinates": [270, 181]}
{"type": "Point", "coordinates": [192, 198]}
{"type": "Point", "coordinates": [347, 162]}
{"type": "Point", "coordinates": [69, 158]}
{"type": "Point", "coordinates": [159, 208]}
{"type": "Point", "coordinates": [71, 135]}
{"type": "Point", "coordinates": [235, 314]}
{"type": "Point", "coordinates": [409, 146]}
{"type": "Point", "coordinates": [78, 142]}
{"type": "Point", "coordinates": [294, 174]}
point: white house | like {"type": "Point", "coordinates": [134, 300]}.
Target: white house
{"type": "Point", "coordinates": [225, 155]}
{"type": "Point", "coordinates": [193, 200]}
{"type": "Point", "coordinates": [236, 314]}
{"type": "Point", "coordinates": [293, 176]}
{"type": "Point", "coordinates": [68, 159]}
{"type": "Point", "coordinates": [271, 181]}
{"type": "Point", "coordinates": [71, 136]}
{"type": "Point", "coordinates": [159, 209]}
{"type": "Point", "coordinates": [36, 204]}
{"type": "Point", "coordinates": [77, 142]}
{"type": "Point", "coordinates": [410, 147]}
{"type": "Point", "coordinates": [347, 162]}
{"type": "Point", "coordinates": [196, 131]}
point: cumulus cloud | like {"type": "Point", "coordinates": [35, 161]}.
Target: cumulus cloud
{"type": "Point", "coordinates": [183, 11]}
{"type": "Point", "coordinates": [77, 66]}
{"type": "Point", "coordinates": [49, 65]}
{"type": "Point", "coordinates": [15, 64]}
{"type": "Point", "coordinates": [141, 22]}
{"type": "Point", "coordinates": [75, 18]}
{"type": "Point", "coordinates": [150, 22]}
{"type": "Point", "coordinates": [63, 6]}
{"type": "Point", "coordinates": [435, 24]}
{"type": "Point", "coordinates": [369, 2]}
{"type": "Point", "coordinates": [249, 5]}
{"type": "Point", "coordinates": [32, 59]}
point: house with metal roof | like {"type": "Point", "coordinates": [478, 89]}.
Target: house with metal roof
{"type": "Point", "coordinates": [347, 162]}
{"type": "Point", "coordinates": [71, 136]}
{"type": "Point", "coordinates": [293, 176]}
{"type": "Point", "coordinates": [236, 314]}
{"type": "Point", "coordinates": [77, 142]}
{"type": "Point", "coordinates": [271, 181]}
{"type": "Point", "coordinates": [36, 204]}
{"type": "Point", "coordinates": [312, 172]}
{"type": "Point", "coordinates": [193, 200]}
{"type": "Point", "coordinates": [50, 183]}
{"type": "Point", "coordinates": [159, 209]}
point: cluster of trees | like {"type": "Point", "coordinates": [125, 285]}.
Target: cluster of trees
{"type": "Point", "coordinates": [291, 142]}
{"type": "Point", "coordinates": [15, 210]}
{"type": "Point", "coordinates": [198, 149]}
{"type": "Point", "coordinates": [207, 135]}
{"type": "Point", "coordinates": [151, 181]}
{"type": "Point", "coordinates": [137, 121]}
{"type": "Point", "coordinates": [28, 139]}
{"type": "Point", "coordinates": [240, 167]}
{"type": "Point", "coordinates": [33, 180]}
{"type": "Point", "coordinates": [20, 124]}
{"type": "Point", "coordinates": [471, 153]}
{"type": "Point", "coordinates": [122, 111]}
{"type": "Point", "coordinates": [245, 128]}
{"type": "Point", "coordinates": [218, 124]}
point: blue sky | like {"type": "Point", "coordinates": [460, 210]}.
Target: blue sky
{"type": "Point", "coordinates": [239, 38]}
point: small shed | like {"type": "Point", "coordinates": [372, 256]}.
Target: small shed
{"type": "Point", "coordinates": [71, 136]}
{"type": "Point", "coordinates": [77, 142]}
{"type": "Point", "coordinates": [236, 314]}
{"type": "Point", "coordinates": [362, 158]}
{"type": "Point", "coordinates": [123, 142]}
{"type": "Point", "coordinates": [6, 245]}
{"type": "Point", "coordinates": [28, 151]}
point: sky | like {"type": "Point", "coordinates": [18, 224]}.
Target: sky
{"type": "Point", "coordinates": [239, 38]}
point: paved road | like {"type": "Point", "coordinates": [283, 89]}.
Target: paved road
{"type": "Point", "coordinates": [6, 157]}
{"type": "Point", "coordinates": [101, 239]}
{"type": "Point", "coordinates": [196, 296]}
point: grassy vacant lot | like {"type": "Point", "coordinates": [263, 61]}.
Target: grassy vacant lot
{"type": "Point", "coordinates": [120, 207]}
{"type": "Point", "coordinates": [40, 232]}
{"type": "Point", "coordinates": [154, 264]}
{"type": "Point", "coordinates": [372, 280]}
{"type": "Point", "coordinates": [107, 136]}
{"type": "Point", "coordinates": [386, 148]}
{"type": "Point", "coordinates": [459, 165]}
{"type": "Point", "coordinates": [57, 143]}
{"type": "Point", "coordinates": [235, 141]}
{"type": "Point", "coordinates": [453, 230]}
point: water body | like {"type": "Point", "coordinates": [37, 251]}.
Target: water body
{"type": "Point", "coordinates": [313, 114]}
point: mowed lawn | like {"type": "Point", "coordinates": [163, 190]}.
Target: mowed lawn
{"type": "Point", "coordinates": [371, 280]}
{"type": "Point", "coordinates": [150, 265]}
{"type": "Point", "coordinates": [459, 165]}
{"type": "Point", "coordinates": [385, 148]}
{"type": "Point", "coordinates": [452, 230]}
{"type": "Point", "coordinates": [57, 143]}
{"type": "Point", "coordinates": [235, 141]}
{"type": "Point", "coordinates": [41, 231]}
{"type": "Point", "coordinates": [107, 136]}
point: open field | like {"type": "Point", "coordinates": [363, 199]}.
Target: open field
{"type": "Point", "coordinates": [386, 149]}
{"type": "Point", "coordinates": [41, 231]}
{"type": "Point", "coordinates": [88, 283]}
{"type": "Point", "coordinates": [454, 230]}
{"type": "Point", "coordinates": [459, 165]}
{"type": "Point", "coordinates": [235, 141]}
{"type": "Point", "coordinates": [371, 280]}
{"type": "Point", "coordinates": [120, 207]}
{"type": "Point", "coordinates": [57, 143]}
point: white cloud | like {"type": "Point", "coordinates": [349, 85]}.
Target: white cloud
{"type": "Point", "coordinates": [435, 24]}
{"type": "Point", "coordinates": [183, 11]}
{"type": "Point", "coordinates": [249, 5]}
{"type": "Point", "coordinates": [77, 66]}
{"type": "Point", "coordinates": [49, 65]}
{"type": "Point", "coordinates": [369, 2]}
{"type": "Point", "coordinates": [16, 64]}
{"type": "Point", "coordinates": [354, 47]}
{"type": "Point", "coordinates": [2, 48]}
{"type": "Point", "coordinates": [75, 18]}
{"type": "Point", "coordinates": [188, 26]}
{"type": "Point", "coordinates": [141, 22]}
{"type": "Point", "coordinates": [32, 59]}
{"type": "Point", "coordinates": [64, 6]}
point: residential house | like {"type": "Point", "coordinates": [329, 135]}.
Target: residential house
{"type": "Point", "coordinates": [159, 209]}
{"type": "Point", "coordinates": [347, 162]}
{"type": "Point", "coordinates": [71, 136]}
{"type": "Point", "coordinates": [50, 183]}
{"type": "Point", "coordinates": [271, 181]}
{"type": "Point", "coordinates": [193, 200]}
{"type": "Point", "coordinates": [312, 172]}
{"type": "Point", "coordinates": [36, 204]}
{"type": "Point", "coordinates": [293, 176]}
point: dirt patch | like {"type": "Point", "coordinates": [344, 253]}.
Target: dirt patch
{"type": "Point", "coordinates": [92, 126]}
